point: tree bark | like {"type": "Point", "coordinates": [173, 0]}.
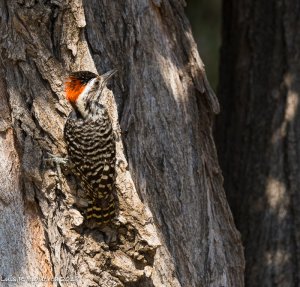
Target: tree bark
{"type": "Point", "coordinates": [165, 108]}
{"type": "Point", "coordinates": [258, 134]}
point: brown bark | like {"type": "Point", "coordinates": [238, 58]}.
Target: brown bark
{"type": "Point", "coordinates": [165, 107]}
{"type": "Point", "coordinates": [258, 134]}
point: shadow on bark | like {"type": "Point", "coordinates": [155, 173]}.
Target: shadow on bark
{"type": "Point", "coordinates": [257, 135]}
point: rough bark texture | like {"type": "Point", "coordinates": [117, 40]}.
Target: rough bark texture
{"type": "Point", "coordinates": [165, 107]}
{"type": "Point", "coordinates": [258, 134]}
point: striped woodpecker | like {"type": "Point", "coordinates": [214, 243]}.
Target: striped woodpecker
{"type": "Point", "coordinates": [91, 143]}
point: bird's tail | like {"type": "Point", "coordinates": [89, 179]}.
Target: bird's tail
{"type": "Point", "coordinates": [102, 210]}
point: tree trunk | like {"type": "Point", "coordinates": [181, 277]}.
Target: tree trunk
{"type": "Point", "coordinates": [165, 108]}
{"type": "Point", "coordinates": [258, 134]}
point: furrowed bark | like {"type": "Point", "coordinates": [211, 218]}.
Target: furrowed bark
{"type": "Point", "coordinates": [258, 134]}
{"type": "Point", "coordinates": [165, 108]}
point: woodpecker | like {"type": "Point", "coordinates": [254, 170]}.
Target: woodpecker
{"type": "Point", "coordinates": [91, 145]}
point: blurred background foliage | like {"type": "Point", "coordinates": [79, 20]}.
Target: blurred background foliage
{"type": "Point", "coordinates": [205, 19]}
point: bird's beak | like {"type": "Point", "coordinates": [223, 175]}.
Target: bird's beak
{"type": "Point", "coordinates": [105, 77]}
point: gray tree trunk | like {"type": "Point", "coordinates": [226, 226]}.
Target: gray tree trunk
{"type": "Point", "coordinates": [258, 134]}
{"type": "Point", "coordinates": [165, 108]}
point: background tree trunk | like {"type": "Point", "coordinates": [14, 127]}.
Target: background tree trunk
{"type": "Point", "coordinates": [165, 108]}
{"type": "Point", "coordinates": [258, 134]}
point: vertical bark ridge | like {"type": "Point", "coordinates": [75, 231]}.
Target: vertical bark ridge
{"type": "Point", "coordinates": [257, 134]}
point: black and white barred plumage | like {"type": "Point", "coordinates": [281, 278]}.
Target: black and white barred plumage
{"type": "Point", "coordinates": [91, 144]}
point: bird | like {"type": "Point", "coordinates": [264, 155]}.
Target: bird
{"type": "Point", "coordinates": [91, 144]}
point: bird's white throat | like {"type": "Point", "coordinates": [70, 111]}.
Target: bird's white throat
{"type": "Point", "coordinates": [83, 98]}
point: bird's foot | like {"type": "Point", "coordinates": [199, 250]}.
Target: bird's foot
{"type": "Point", "coordinates": [57, 160]}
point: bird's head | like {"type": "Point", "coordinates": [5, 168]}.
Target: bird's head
{"type": "Point", "coordinates": [84, 87]}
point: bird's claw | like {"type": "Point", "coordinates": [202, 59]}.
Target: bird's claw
{"type": "Point", "coordinates": [57, 160]}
